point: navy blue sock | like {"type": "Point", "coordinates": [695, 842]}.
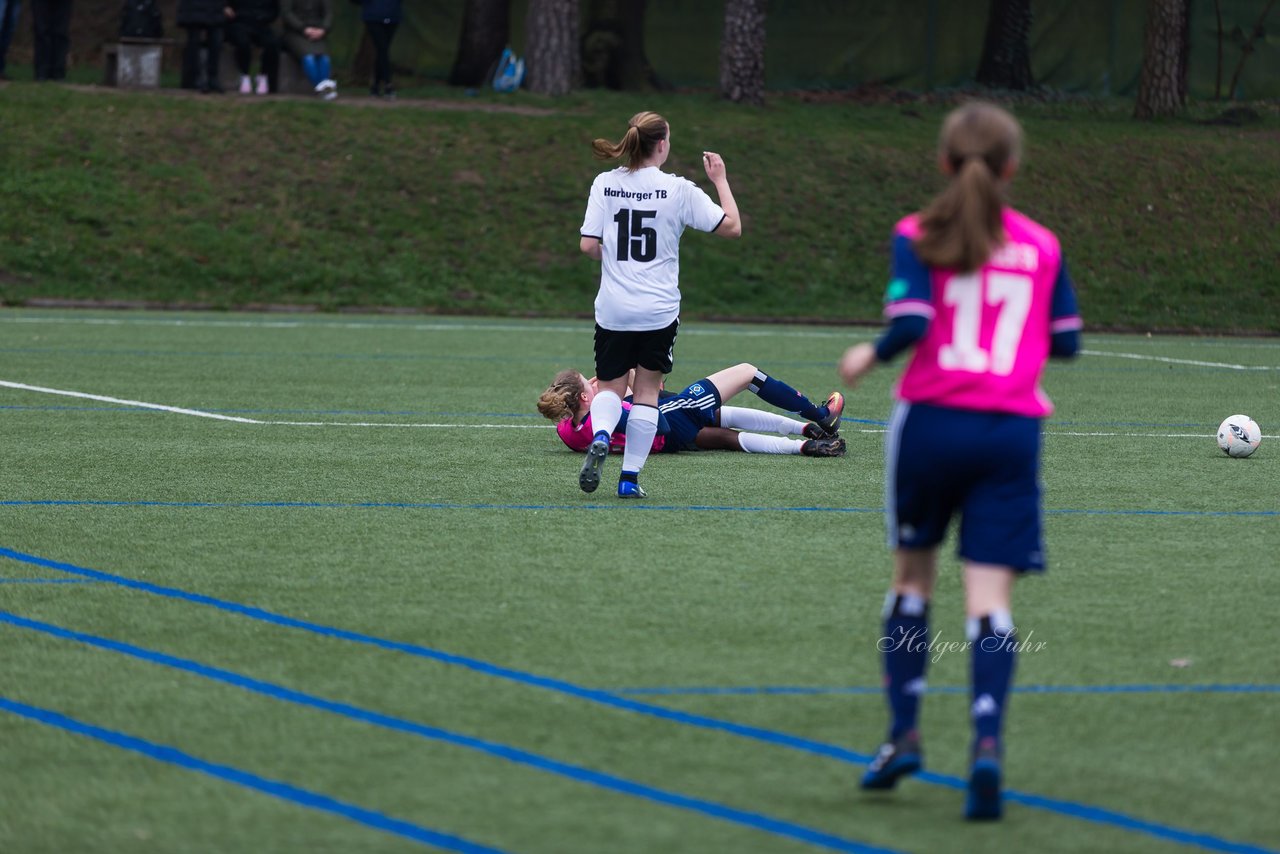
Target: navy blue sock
{"type": "Point", "coordinates": [906, 653]}
{"type": "Point", "coordinates": [779, 394]}
{"type": "Point", "coordinates": [994, 654]}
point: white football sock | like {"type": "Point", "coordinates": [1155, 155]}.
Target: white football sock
{"type": "Point", "coordinates": [1001, 624]}
{"type": "Point", "coordinates": [754, 443]}
{"type": "Point", "coordinates": [606, 412]}
{"type": "Point", "coordinates": [642, 426]}
{"type": "Point", "coordinates": [741, 418]}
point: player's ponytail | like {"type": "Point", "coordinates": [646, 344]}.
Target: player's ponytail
{"type": "Point", "coordinates": [560, 401]}
{"type": "Point", "coordinates": [644, 132]}
{"type": "Point", "coordinates": [963, 225]}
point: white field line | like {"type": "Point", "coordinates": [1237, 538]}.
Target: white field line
{"type": "Point", "coordinates": [200, 413]}
{"type": "Point", "coordinates": [1172, 361]}
{"type": "Point", "coordinates": [400, 424]}
{"type": "Point", "coordinates": [1136, 339]}
{"type": "Point", "coordinates": [850, 333]}
{"type": "Point", "coordinates": [138, 403]}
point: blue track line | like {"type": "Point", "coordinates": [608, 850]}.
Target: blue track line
{"type": "Point", "coordinates": [878, 691]}
{"type": "Point", "coordinates": [754, 821]}
{"type": "Point", "coordinates": [619, 506]}
{"type": "Point", "coordinates": [1084, 812]}
{"type": "Point", "coordinates": [1050, 428]}
{"type": "Point", "coordinates": [275, 788]}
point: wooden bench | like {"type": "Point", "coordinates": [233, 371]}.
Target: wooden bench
{"type": "Point", "coordinates": [133, 63]}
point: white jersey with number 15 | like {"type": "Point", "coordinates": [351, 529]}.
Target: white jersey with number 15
{"type": "Point", "coordinates": [639, 217]}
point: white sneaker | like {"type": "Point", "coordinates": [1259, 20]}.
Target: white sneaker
{"type": "Point", "coordinates": [246, 85]}
{"type": "Point", "coordinates": [262, 84]}
{"type": "Point", "coordinates": [330, 89]}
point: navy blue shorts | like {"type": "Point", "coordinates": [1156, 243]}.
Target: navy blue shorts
{"type": "Point", "coordinates": [983, 465]}
{"type": "Point", "coordinates": [687, 413]}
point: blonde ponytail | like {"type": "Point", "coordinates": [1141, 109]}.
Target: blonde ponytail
{"type": "Point", "coordinates": [644, 132]}
{"type": "Point", "coordinates": [963, 224]}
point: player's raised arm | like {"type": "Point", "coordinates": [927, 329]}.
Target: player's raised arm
{"type": "Point", "coordinates": [731, 225]}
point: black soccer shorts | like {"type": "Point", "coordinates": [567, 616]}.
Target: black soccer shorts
{"type": "Point", "coordinates": [619, 352]}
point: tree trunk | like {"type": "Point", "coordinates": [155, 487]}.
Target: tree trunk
{"type": "Point", "coordinates": [1006, 48]}
{"type": "Point", "coordinates": [486, 26]}
{"type": "Point", "coordinates": [613, 53]}
{"type": "Point", "coordinates": [1162, 88]}
{"type": "Point", "coordinates": [552, 49]}
{"type": "Point", "coordinates": [742, 51]}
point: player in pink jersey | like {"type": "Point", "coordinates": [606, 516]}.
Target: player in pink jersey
{"type": "Point", "coordinates": [696, 419]}
{"type": "Point", "coordinates": [981, 293]}
{"type": "Point", "coordinates": [567, 402]}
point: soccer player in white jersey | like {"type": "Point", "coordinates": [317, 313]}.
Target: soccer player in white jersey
{"type": "Point", "coordinates": [635, 216]}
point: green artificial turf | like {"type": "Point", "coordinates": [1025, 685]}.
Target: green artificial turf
{"type": "Point", "coordinates": [414, 497]}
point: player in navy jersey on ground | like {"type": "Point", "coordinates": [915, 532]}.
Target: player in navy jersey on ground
{"type": "Point", "coordinates": [981, 293]}
{"type": "Point", "coordinates": [635, 216]}
{"type": "Point", "coordinates": [697, 419]}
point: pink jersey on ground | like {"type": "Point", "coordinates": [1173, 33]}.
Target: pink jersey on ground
{"type": "Point", "coordinates": [579, 438]}
{"type": "Point", "coordinates": [989, 331]}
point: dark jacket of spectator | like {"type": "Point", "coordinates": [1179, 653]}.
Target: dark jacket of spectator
{"type": "Point", "coordinates": [255, 11]}
{"type": "Point", "coordinates": [298, 15]}
{"type": "Point", "coordinates": [387, 11]}
{"type": "Point", "coordinates": [201, 13]}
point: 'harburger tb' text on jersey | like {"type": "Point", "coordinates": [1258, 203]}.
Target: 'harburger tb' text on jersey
{"type": "Point", "coordinates": [639, 217]}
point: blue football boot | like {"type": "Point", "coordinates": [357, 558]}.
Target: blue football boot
{"type": "Point", "coordinates": [984, 802]}
{"type": "Point", "coordinates": [895, 760]}
{"type": "Point", "coordinates": [630, 489]}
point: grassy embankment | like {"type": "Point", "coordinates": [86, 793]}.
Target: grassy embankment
{"type": "Point", "coordinates": [473, 204]}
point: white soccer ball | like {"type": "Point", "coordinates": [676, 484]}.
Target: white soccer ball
{"type": "Point", "coordinates": [1239, 436]}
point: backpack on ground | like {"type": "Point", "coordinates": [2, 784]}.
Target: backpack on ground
{"type": "Point", "coordinates": [510, 73]}
{"type": "Point", "coordinates": [141, 20]}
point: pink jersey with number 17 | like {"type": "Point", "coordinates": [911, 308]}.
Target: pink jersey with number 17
{"type": "Point", "coordinates": [989, 331]}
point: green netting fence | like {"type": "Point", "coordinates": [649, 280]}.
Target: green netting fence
{"type": "Point", "coordinates": [1079, 46]}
